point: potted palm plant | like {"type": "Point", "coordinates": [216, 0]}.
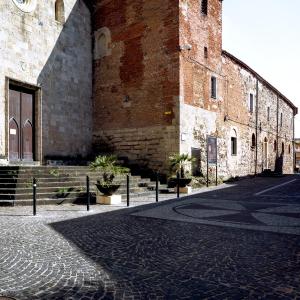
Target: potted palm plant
{"type": "Point", "coordinates": [178, 165]}
{"type": "Point", "coordinates": [106, 185]}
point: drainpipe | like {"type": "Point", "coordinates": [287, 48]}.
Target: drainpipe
{"type": "Point", "coordinates": [294, 154]}
{"type": "Point", "coordinates": [256, 127]}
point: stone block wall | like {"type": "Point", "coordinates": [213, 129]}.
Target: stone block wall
{"type": "Point", "coordinates": [57, 58]}
{"type": "Point", "coordinates": [136, 78]}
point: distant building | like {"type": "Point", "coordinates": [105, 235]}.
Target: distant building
{"type": "Point", "coordinates": [140, 78]}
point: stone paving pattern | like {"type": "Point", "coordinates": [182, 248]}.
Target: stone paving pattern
{"type": "Point", "coordinates": [112, 253]}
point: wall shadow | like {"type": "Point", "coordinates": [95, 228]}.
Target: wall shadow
{"type": "Point", "coordinates": [66, 83]}
{"type": "Point", "coordinates": [155, 258]}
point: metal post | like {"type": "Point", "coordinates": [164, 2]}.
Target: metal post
{"type": "Point", "coordinates": [217, 163]}
{"type": "Point", "coordinates": [156, 186]}
{"type": "Point", "coordinates": [34, 196]}
{"type": "Point", "coordinates": [88, 195]}
{"type": "Point", "coordinates": [128, 200]}
{"type": "Point", "coordinates": [178, 179]}
{"type": "Point", "coordinates": [207, 162]}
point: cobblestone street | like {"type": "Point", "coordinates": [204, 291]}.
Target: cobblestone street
{"type": "Point", "coordinates": [239, 241]}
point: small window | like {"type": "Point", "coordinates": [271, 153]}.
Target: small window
{"type": "Point", "coordinates": [213, 87]}
{"type": "Point", "coordinates": [233, 143]}
{"type": "Point", "coordinates": [289, 149]}
{"type": "Point", "coordinates": [281, 119]}
{"type": "Point", "coordinates": [268, 114]}
{"type": "Point", "coordinates": [233, 146]}
{"type": "Point", "coordinates": [205, 52]}
{"type": "Point", "coordinates": [253, 141]}
{"type": "Point", "coordinates": [282, 148]}
{"type": "Point", "coordinates": [275, 146]}
{"type": "Point", "coordinates": [251, 103]}
{"type": "Point", "coordinates": [204, 6]}
{"type": "Point", "coordinates": [60, 11]}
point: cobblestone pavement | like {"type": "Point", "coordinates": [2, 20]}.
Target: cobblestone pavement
{"type": "Point", "coordinates": [219, 244]}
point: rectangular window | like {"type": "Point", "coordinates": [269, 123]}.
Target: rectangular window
{"type": "Point", "coordinates": [268, 114]}
{"type": "Point", "coordinates": [204, 5]}
{"type": "Point", "coordinates": [233, 146]}
{"type": "Point", "coordinates": [251, 103]}
{"type": "Point", "coordinates": [213, 87]}
{"type": "Point", "coordinates": [281, 120]}
{"type": "Point", "coordinates": [205, 52]}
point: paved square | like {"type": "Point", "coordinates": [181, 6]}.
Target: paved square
{"type": "Point", "coordinates": [222, 243]}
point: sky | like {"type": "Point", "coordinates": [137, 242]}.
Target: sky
{"type": "Point", "coordinates": [265, 34]}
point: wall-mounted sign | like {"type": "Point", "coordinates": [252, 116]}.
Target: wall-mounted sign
{"type": "Point", "coordinates": [13, 131]}
{"type": "Point", "coordinates": [212, 150]}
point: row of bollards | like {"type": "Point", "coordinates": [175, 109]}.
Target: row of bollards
{"type": "Point", "coordinates": [88, 197]}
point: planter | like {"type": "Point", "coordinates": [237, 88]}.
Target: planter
{"type": "Point", "coordinates": [109, 200]}
{"type": "Point", "coordinates": [108, 190]}
{"type": "Point", "coordinates": [183, 182]}
{"type": "Point", "coordinates": [183, 190]}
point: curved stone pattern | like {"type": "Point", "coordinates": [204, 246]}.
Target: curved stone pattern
{"type": "Point", "coordinates": [115, 255]}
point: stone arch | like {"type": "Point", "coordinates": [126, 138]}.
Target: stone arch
{"type": "Point", "coordinates": [102, 43]}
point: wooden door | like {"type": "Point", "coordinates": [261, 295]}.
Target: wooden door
{"type": "Point", "coordinates": [21, 126]}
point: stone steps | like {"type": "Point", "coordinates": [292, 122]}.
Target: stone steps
{"type": "Point", "coordinates": [57, 184]}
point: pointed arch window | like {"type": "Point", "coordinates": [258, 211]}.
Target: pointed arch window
{"type": "Point", "coordinates": [60, 11]}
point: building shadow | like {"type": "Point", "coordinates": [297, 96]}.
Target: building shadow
{"type": "Point", "coordinates": [155, 258]}
{"type": "Point", "coordinates": [66, 84]}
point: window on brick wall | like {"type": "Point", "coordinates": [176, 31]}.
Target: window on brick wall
{"type": "Point", "coordinates": [289, 149]}
{"type": "Point", "coordinates": [205, 52]}
{"type": "Point", "coordinates": [60, 11]}
{"type": "Point", "coordinates": [281, 119]}
{"type": "Point", "coordinates": [275, 146]}
{"type": "Point", "coordinates": [251, 103]}
{"type": "Point", "coordinates": [204, 7]}
{"type": "Point", "coordinates": [213, 87]}
{"type": "Point", "coordinates": [282, 148]}
{"type": "Point", "coordinates": [268, 113]}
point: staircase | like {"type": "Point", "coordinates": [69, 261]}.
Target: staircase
{"type": "Point", "coordinates": [63, 184]}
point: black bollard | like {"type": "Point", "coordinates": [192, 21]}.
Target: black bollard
{"type": "Point", "coordinates": [178, 179]}
{"type": "Point", "coordinates": [34, 196]}
{"type": "Point", "coordinates": [156, 186]}
{"type": "Point", "coordinates": [128, 191]}
{"type": "Point", "coordinates": [88, 195]}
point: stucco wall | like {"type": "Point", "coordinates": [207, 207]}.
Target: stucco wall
{"type": "Point", "coordinates": [36, 49]}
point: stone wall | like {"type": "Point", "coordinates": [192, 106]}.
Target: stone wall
{"type": "Point", "coordinates": [38, 50]}
{"type": "Point", "coordinates": [136, 76]}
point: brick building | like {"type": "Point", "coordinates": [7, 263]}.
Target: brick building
{"type": "Point", "coordinates": [152, 79]}
{"type": "Point", "coordinates": [163, 84]}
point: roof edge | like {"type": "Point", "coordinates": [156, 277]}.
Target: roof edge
{"type": "Point", "coordinates": [260, 78]}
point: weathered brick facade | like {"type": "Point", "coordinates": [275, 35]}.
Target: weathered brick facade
{"type": "Point", "coordinates": [152, 92]}
{"type": "Point", "coordinates": [136, 84]}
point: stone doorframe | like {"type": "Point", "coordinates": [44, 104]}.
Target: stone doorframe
{"type": "Point", "coordinates": [37, 92]}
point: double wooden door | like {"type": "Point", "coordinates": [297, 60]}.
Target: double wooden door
{"type": "Point", "coordinates": [21, 126]}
